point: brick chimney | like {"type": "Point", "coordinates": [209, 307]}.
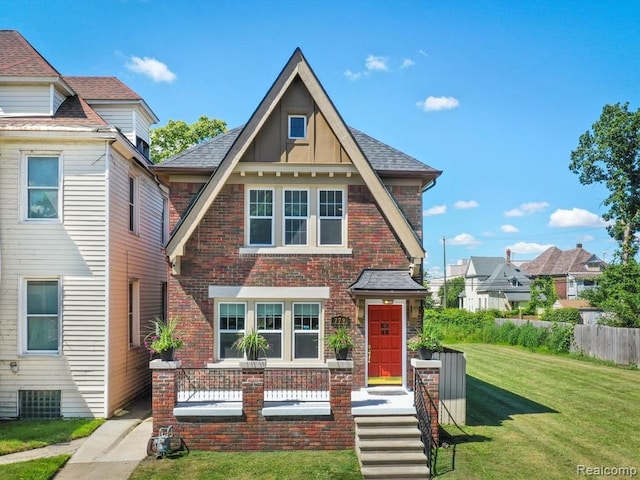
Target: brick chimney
{"type": "Point", "coordinates": [578, 245]}
{"type": "Point", "coordinates": [508, 256]}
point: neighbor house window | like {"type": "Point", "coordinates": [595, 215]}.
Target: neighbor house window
{"type": "Point", "coordinates": [42, 316]}
{"type": "Point", "coordinates": [43, 187]}
{"type": "Point", "coordinates": [306, 328]}
{"type": "Point", "coordinates": [330, 217]}
{"type": "Point", "coordinates": [133, 299]}
{"type": "Point", "coordinates": [296, 212]}
{"type": "Point", "coordinates": [133, 204]}
{"type": "Point", "coordinates": [231, 324]}
{"type": "Point", "coordinates": [261, 217]}
{"type": "Point", "coordinates": [269, 325]}
{"type": "Point", "coordinates": [297, 127]}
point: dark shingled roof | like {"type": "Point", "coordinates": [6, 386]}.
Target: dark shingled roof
{"type": "Point", "coordinates": [383, 158]}
{"type": "Point", "coordinates": [554, 261]}
{"type": "Point", "coordinates": [386, 280]}
{"type": "Point", "coordinates": [74, 112]}
{"type": "Point", "coordinates": [101, 88]}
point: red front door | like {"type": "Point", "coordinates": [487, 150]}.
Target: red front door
{"type": "Point", "coordinates": [385, 342]}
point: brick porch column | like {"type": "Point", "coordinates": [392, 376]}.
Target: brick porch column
{"type": "Point", "coordinates": [429, 372]}
{"type": "Point", "coordinates": [341, 382]}
{"type": "Point", "coordinates": [163, 392]}
{"type": "Point", "coordinates": [253, 388]}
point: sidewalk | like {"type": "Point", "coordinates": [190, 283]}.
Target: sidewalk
{"type": "Point", "coordinates": [111, 452]}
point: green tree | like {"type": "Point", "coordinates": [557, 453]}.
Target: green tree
{"type": "Point", "coordinates": [617, 292]}
{"type": "Point", "coordinates": [543, 295]}
{"type": "Point", "coordinates": [177, 136]}
{"type": "Point", "coordinates": [455, 287]}
{"type": "Point", "coordinates": [609, 155]}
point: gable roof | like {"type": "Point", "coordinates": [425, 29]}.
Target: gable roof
{"type": "Point", "coordinates": [20, 59]}
{"type": "Point", "coordinates": [296, 67]}
{"type": "Point", "coordinates": [101, 88]}
{"type": "Point", "coordinates": [502, 279]}
{"type": "Point", "coordinates": [384, 159]}
{"type": "Point", "coordinates": [482, 266]}
{"type": "Point", "coordinates": [554, 261]}
{"type": "Point", "coordinates": [375, 281]}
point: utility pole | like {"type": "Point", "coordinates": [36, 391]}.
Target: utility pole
{"type": "Point", "coordinates": [444, 256]}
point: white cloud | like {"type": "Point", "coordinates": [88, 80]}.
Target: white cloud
{"type": "Point", "coordinates": [463, 205]}
{"type": "Point", "coordinates": [435, 210]}
{"type": "Point", "coordinates": [526, 209]}
{"type": "Point", "coordinates": [407, 62]}
{"type": "Point", "coordinates": [376, 63]}
{"type": "Point", "coordinates": [463, 239]}
{"type": "Point", "coordinates": [152, 68]}
{"type": "Point", "coordinates": [438, 103]}
{"type": "Point", "coordinates": [576, 217]}
{"type": "Point", "coordinates": [526, 247]}
{"type": "Point", "coordinates": [353, 76]}
{"type": "Point", "coordinates": [509, 229]}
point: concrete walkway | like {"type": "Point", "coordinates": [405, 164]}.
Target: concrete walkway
{"type": "Point", "coordinates": [111, 452]}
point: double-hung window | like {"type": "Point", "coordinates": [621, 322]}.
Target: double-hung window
{"type": "Point", "coordinates": [269, 325]}
{"type": "Point", "coordinates": [231, 323]}
{"type": "Point", "coordinates": [43, 187]}
{"type": "Point", "coordinates": [261, 217]}
{"type": "Point", "coordinates": [306, 328]}
{"type": "Point", "coordinates": [330, 217]}
{"type": "Point", "coordinates": [133, 204]}
{"type": "Point", "coordinates": [42, 316]}
{"type": "Point", "coordinates": [296, 213]}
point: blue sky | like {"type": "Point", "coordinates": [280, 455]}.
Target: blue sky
{"type": "Point", "coordinates": [494, 93]}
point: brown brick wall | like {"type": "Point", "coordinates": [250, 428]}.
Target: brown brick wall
{"type": "Point", "coordinates": [212, 258]}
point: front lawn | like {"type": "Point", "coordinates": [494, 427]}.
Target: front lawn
{"type": "Point", "coordinates": [532, 415]}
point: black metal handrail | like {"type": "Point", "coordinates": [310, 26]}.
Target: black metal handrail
{"type": "Point", "coordinates": [208, 384]}
{"type": "Point", "coordinates": [421, 397]}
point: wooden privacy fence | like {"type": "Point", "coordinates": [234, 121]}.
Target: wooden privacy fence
{"type": "Point", "coordinates": [614, 344]}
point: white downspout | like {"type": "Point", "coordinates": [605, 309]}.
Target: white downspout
{"type": "Point", "coordinates": [107, 276]}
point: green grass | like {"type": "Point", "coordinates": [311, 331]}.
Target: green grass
{"type": "Point", "coordinates": [316, 465]}
{"type": "Point", "coordinates": [531, 415]}
{"type": "Point", "coordinates": [21, 435]}
{"type": "Point", "coordinates": [40, 469]}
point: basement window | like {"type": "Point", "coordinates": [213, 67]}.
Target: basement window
{"type": "Point", "coordinates": [40, 404]}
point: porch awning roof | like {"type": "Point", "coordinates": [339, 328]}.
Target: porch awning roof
{"type": "Point", "coordinates": [518, 296]}
{"type": "Point", "coordinates": [386, 283]}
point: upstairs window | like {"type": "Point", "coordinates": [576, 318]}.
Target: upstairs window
{"type": "Point", "coordinates": [297, 127]}
{"type": "Point", "coordinates": [261, 217]}
{"type": "Point", "coordinates": [331, 216]}
{"type": "Point", "coordinates": [142, 146]}
{"type": "Point", "coordinates": [43, 187]}
{"type": "Point", "coordinates": [296, 213]}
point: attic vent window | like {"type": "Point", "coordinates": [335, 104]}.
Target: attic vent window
{"type": "Point", "coordinates": [297, 127]}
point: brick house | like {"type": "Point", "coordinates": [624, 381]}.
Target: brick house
{"type": "Point", "coordinates": [291, 223]}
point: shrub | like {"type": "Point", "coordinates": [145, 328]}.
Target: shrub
{"type": "Point", "coordinates": [560, 337]}
{"type": "Point", "coordinates": [568, 315]}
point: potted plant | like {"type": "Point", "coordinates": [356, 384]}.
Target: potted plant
{"type": "Point", "coordinates": [426, 341]}
{"type": "Point", "coordinates": [163, 338]}
{"type": "Point", "coordinates": [251, 344]}
{"type": "Point", "coordinates": [341, 342]}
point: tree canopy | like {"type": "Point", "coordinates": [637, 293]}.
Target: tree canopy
{"type": "Point", "coordinates": [455, 287]}
{"type": "Point", "coordinates": [609, 155]}
{"type": "Point", "coordinates": [177, 136]}
{"type": "Point", "coordinates": [618, 293]}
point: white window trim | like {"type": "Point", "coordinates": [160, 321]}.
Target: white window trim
{"type": "Point", "coordinates": [289, 118]}
{"type": "Point", "coordinates": [219, 331]}
{"type": "Point", "coordinates": [23, 332]}
{"type": "Point", "coordinates": [248, 216]}
{"type": "Point", "coordinates": [24, 182]}
{"type": "Point", "coordinates": [285, 218]}
{"type": "Point", "coordinates": [134, 340]}
{"type": "Point", "coordinates": [343, 218]}
{"type": "Point", "coordinates": [319, 331]}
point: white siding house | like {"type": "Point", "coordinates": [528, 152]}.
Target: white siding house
{"type": "Point", "coordinates": [67, 254]}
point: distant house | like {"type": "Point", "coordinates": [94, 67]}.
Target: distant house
{"type": "Point", "coordinates": [81, 239]}
{"type": "Point", "coordinates": [494, 283]}
{"type": "Point", "coordinates": [572, 270]}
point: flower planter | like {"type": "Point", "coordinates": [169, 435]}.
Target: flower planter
{"type": "Point", "coordinates": [166, 355]}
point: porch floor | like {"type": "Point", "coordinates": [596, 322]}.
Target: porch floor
{"type": "Point", "coordinates": [381, 400]}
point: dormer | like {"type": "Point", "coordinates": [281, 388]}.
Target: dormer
{"type": "Point", "coordinates": [119, 106]}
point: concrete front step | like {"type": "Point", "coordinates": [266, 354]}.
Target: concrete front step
{"type": "Point", "coordinates": [393, 458]}
{"type": "Point", "coordinates": [396, 473]}
{"type": "Point", "coordinates": [386, 420]}
{"type": "Point", "coordinates": [390, 445]}
{"type": "Point", "coordinates": [388, 432]}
